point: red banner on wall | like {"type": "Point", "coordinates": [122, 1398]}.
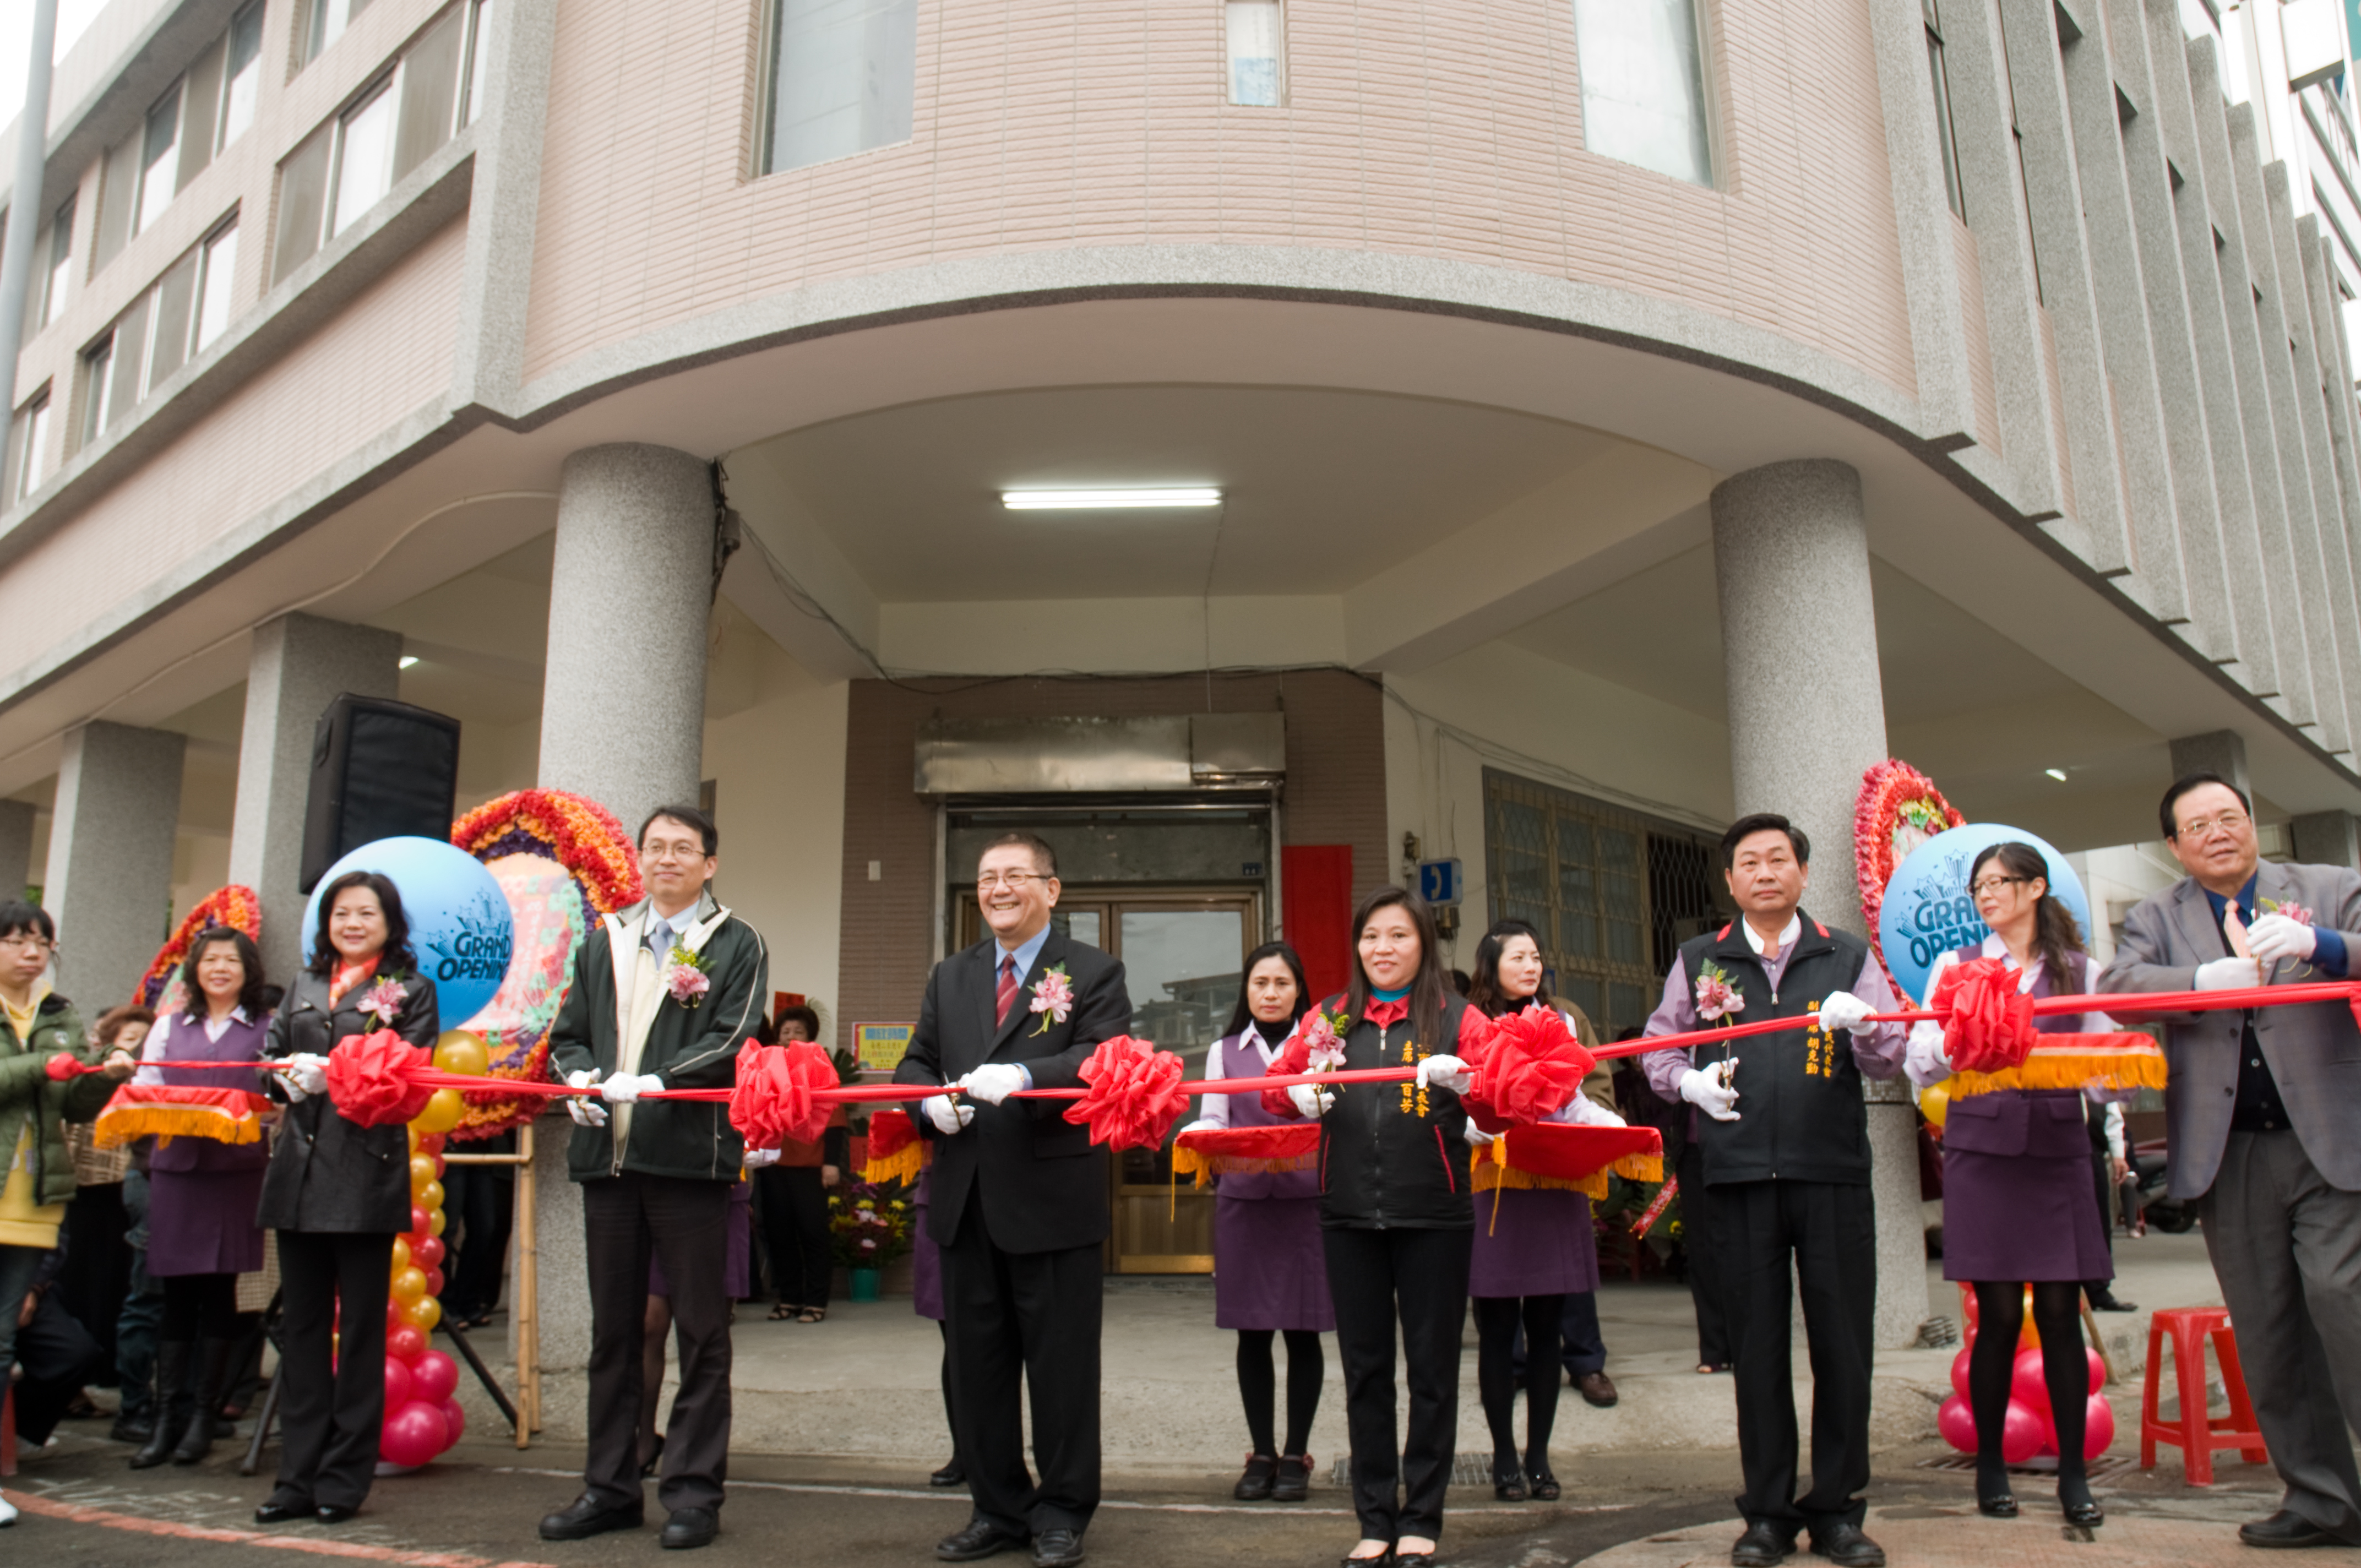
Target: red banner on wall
{"type": "Point", "coordinates": [1316, 900]}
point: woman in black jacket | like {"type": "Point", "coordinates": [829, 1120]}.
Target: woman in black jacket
{"type": "Point", "coordinates": [338, 1193]}
{"type": "Point", "coordinates": [1396, 1226]}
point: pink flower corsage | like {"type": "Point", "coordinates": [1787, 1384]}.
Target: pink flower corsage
{"type": "Point", "coordinates": [2295, 911]}
{"type": "Point", "coordinates": [1716, 996]}
{"type": "Point", "coordinates": [1053, 997]}
{"type": "Point", "coordinates": [1327, 1052]}
{"type": "Point", "coordinates": [383, 1000]}
{"type": "Point", "coordinates": [685, 979]}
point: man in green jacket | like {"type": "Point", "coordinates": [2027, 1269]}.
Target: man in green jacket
{"type": "Point", "coordinates": [665, 993]}
{"type": "Point", "coordinates": [36, 1026]}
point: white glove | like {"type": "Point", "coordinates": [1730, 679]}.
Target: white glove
{"type": "Point", "coordinates": [1202, 1125]}
{"type": "Point", "coordinates": [1477, 1137]}
{"type": "Point", "coordinates": [1843, 1010]}
{"type": "Point", "coordinates": [757, 1159]}
{"type": "Point", "coordinates": [1310, 1099]}
{"type": "Point", "coordinates": [1708, 1090]}
{"type": "Point", "coordinates": [2229, 974]}
{"type": "Point", "coordinates": [307, 1075]}
{"type": "Point", "coordinates": [586, 1112]}
{"type": "Point", "coordinates": [1926, 1044]}
{"type": "Point", "coordinates": [2274, 936]}
{"type": "Point", "coordinates": [993, 1082]}
{"type": "Point", "coordinates": [625, 1089]}
{"type": "Point", "coordinates": [948, 1115]}
{"type": "Point", "coordinates": [1445, 1072]}
{"type": "Point", "coordinates": [1584, 1112]}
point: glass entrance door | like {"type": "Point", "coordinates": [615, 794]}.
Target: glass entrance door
{"type": "Point", "coordinates": [1184, 958]}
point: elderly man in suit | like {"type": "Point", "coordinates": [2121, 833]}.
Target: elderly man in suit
{"type": "Point", "coordinates": [1020, 1204]}
{"type": "Point", "coordinates": [2262, 1111]}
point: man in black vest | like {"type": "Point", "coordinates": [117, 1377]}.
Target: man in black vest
{"type": "Point", "coordinates": [1020, 1204]}
{"type": "Point", "coordinates": [1787, 1175]}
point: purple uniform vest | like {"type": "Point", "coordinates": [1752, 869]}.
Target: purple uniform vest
{"type": "Point", "coordinates": [185, 1041]}
{"type": "Point", "coordinates": [1240, 1060]}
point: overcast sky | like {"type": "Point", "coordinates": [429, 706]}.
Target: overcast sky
{"type": "Point", "coordinates": [16, 45]}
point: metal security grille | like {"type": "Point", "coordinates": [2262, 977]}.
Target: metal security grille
{"type": "Point", "coordinates": [1614, 893]}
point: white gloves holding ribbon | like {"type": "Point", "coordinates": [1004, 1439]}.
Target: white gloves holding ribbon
{"type": "Point", "coordinates": [993, 1081]}
{"type": "Point", "coordinates": [586, 1112]}
{"type": "Point", "coordinates": [306, 1075]}
{"type": "Point", "coordinates": [948, 1114]}
{"type": "Point", "coordinates": [1708, 1090]}
{"type": "Point", "coordinates": [625, 1088]}
{"type": "Point", "coordinates": [1445, 1072]}
{"type": "Point", "coordinates": [2274, 936]}
{"type": "Point", "coordinates": [757, 1159]}
{"type": "Point", "coordinates": [2228, 974]}
{"type": "Point", "coordinates": [1928, 1050]}
{"type": "Point", "coordinates": [1477, 1137]}
{"type": "Point", "coordinates": [1843, 1010]}
{"type": "Point", "coordinates": [1202, 1125]}
{"type": "Point", "coordinates": [1310, 1099]}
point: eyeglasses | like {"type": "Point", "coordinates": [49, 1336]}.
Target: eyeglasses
{"type": "Point", "coordinates": [2204, 827]}
{"type": "Point", "coordinates": [1995, 883]}
{"type": "Point", "coordinates": [29, 941]}
{"type": "Point", "coordinates": [1015, 880]}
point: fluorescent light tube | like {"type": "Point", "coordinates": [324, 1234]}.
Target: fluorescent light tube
{"type": "Point", "coordinates": [2058, 773]}
{"type": "Point", "coordinates": [407, 660]}
{"type": "Point", "coordinates": [1110, 500]}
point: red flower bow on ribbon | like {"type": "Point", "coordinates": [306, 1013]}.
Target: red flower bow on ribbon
{"type": "Point", "coordinates": [1134, 1096]}
{"type": "Point", "coordinates": [63, 1065]}
{"type": "Point", "coordinates": [1987, 1022]}
{"type": "Point", "coordinates": [1293, 1057]}
{"type": "Point", "coordinates": [774, 1101]}
{"type": "Point", "coordinates": [1533, 1066]}
{"type": "Point", "coordinates": [373, 1078]}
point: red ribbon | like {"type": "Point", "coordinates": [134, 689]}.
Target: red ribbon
{"type": "Point", "coordinates": [64, 1066]}
{"type": "Point", "coordinates": [1134, 1094]}
{"type": "Point", "coordinates": [1294, 1059]}
{"type": "Point", "coordinates": [1987, 1021]}
{"type": "Point", "coordinates": [379, 1079]}
{"type": "Point", "coordinates": [1531, 1067]}
{"type": "Point", "coordinates": [776, 1098]}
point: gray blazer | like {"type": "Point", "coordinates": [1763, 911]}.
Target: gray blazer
{"type": "Point", "coordinates": [2314, 1050]}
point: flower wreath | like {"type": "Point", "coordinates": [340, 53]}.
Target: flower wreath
{"type": "Point", "coordinates": [1899, 808]}
{"type": "Point", "coordinates": [235, 907]}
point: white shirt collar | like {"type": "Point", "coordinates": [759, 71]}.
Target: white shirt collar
{"type": "Point", "coordinates": [1794, 928]}
{"type": "Point", "coordinates": [1994, 948]}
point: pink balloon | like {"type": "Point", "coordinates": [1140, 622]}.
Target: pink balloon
{"type": "Point", "coordinates": [454, 1419]}
{"type": "Point", "coordinates": [404, 1344]}
{"type": "Point", "coordinates": [434, 1377]}
{"type": "Point", "coordinates": [414, 1433]}
{"type": "Point", "coordinates": [427, 1253]}
{"type": "Point", "coordinates": [2098, 1371]}
{"type": "Point", "coordinates": [434, 1282]}
{"type": "Point", "coordinates": [393, 1314]}
{"type": "Point", "coordinates": [421, 1224]}
{"type": "Point", "coordinates": [1960, 1371]}
{"type": "Point", "coordinates": [397, 1383]}
{"type": "Point", "coordinates": [1958, 1424]}
{"type": "Point", "coordinates": [2027, 1385]}
{"type": "Point", "coordinates": [2098, 1427]}
{"type": "Point", "coordinates": [2022, 1433]}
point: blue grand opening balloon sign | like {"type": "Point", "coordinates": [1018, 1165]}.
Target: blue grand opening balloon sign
{"type": "Point", "coordinates": [1929, 911]}
{"type": "Point", "coordinates": [460, 925]}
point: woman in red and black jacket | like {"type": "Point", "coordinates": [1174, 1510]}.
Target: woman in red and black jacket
{"type": "Point", "coordinates": [1394, 1222]}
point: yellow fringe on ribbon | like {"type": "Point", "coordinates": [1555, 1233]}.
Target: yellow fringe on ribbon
{"type": "Point", "coordinates": [1204, 1168]}
{"type": "Point", "coordinates": [2067, 1069]}
{"type": "Point", "coordinates": [903, 1165]}
{"type": "Point", "coordinates": [1491, 1174]}
{"type": "Point", "coordinates": [118, 1126]}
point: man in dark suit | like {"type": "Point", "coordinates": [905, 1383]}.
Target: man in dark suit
{"type": "Point", "coordinates": [2261, 1107]}
{"type": "Point", "coordinates": [1020, 1204]}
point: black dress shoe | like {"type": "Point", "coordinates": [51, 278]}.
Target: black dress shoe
{"type": "Point", "coordinates": [2286, 1527]}
{"type": "Point", "coordinates": [336, 1513]}
{"type": "Point", "coordinates": [1058, 1548]}
{"type": "Point", "coordinates": [690, 1528]}
{"type": "Point", "coordinates": [586, 1516]}
{"type": "Point", "coordinates": [2089, 1516]}
{"type": "Point", "coordinates": [1999, 1506]}
{"type": "Point", "coordinates": [132, 1429]}
{"type": "Point", "coordinates": [981, 1538]}
{"type": "Point", "coordinates": [1844, 1545]}
{"type": "Point", "coordinates": [281, 1511]}
{"type": "Point", "coordinates": [1764, 1545]}
{"type": "Point", "coordinates": [2109, 1304]}
{"type": "Point", "coordinates": [1254, 1484]}
{"type": "Point", "coordinates": [1598, 1389]}
{"type": "Point", "coordinates": [1414, 1560]}
{"type": "Point", "coordinates": [951, 1475]}
{"type": "Point", "coordinates": [1293, 1483]}
{"type": "Point", "coordinates": [1382, 1560]}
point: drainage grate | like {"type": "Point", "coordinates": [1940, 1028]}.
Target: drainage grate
{"type": "Point", "coordinates": [2105, 1466]}
{"type": "Point", "coordinates": [1466, 1470]}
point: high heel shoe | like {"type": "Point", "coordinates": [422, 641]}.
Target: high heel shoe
{"type": "Point", "coordinates": [1541, 1486]}
{"type": "Point", "coordinates": [2089, 1516]}
{"type": "Point", "coordinates": [1509, 1484]}
{"type": "Point", "coordinates": [1999, 1506]}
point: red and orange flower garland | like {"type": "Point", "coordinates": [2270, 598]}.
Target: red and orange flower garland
{"type": "Point", "coordinates": [235, 907]}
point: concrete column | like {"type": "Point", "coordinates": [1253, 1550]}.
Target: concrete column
{"type": "Point", "coordinates": [2327, 839]}
{"type": "Point", "coordinates": [300, 664]}
{"type": "Point", "coordinates": [109, 883]}
{"type": "Point", "coordinates": [16, 848]}
{"type": "Point", "coordinates": [1806, 719]}
{"type": "Point", "coordinates": [623, 720]}
{"type": "Point", "coordinates": [2222, 752]}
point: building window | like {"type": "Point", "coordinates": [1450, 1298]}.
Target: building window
{"type": "Point", "coordinates": [1941, 83]}
{"type": "Point", "coordinates": [349, 165]}
{"type": "Point", "coordinates": [1254, 45]}
{"type": "Point", "coordinates": [1643, 97]}
{"type": "Point", "coordinates": [51, 283]}
{"type": "Point", "coordinates": [217, 269]}
{"type": "Point", "coordinates": [324, 22]}
{"type": "Point", "coordinates": [159, 160]}
{"type": "Point", "coordinates": [843, 76]}
{"type": "Point", "coordinates": [244, 74]}
{"type": "Point", "coordinates": [28, 441]}
{"type": "Point", "coordinates": [479, 63]}
{"type": "Point", "coordinates": [167, 326]}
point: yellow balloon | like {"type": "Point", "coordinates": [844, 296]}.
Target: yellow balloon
{"type": "Point", "coordinates": [433, 1217]}
{"type": "Point", "coordinates": [430, 1198]}
{"type": "Point", "coordinates": [422, 1173]}
{"type": "Point", "coordinates": [422, 1314]}
{"type": "Point", "coordinates": [400, 1255]}
{"type": "Point", "coordinates": [1936, 1103]}
{"type": "Point", "coordinates": [417, 1135]}
{"type": "Point", "coordinates": [461, 1052]}
{"type": "Point", "coordinates": [443, 1111]}
{"type": "Point", "coordinates": [408, 1285]}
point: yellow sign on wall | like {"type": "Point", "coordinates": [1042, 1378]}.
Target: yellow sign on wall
{"type": "Point", "coordinates": [879, 1048]}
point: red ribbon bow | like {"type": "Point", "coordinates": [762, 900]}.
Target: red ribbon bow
{"type": "Point", "coordinates": [1295, 1057]}
{"type": "Point", "coordinates": [1987, 1021]}
{"type": "Point", "coordinates": [374, 1078]}
{"type": "Point", "coordinates": [1134, 1094]}
{"type": "Point", "coordinates": [774, 1099]}
{"type": "Point", "coordinates": [63, 1065]}
{"type": "Point", "coordinates": [1533, 1066]}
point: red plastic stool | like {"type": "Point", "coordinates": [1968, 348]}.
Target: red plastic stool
{"type": "Point", "coordinates": [2196, 1434]}
{"type": "Point", "coordinates": [7, 1431]}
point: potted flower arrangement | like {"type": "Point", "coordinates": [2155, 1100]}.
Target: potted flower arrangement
{"type": "Point", "coordinates": [870, 1224]}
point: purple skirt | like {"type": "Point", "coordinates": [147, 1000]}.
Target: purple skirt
{"type": "Point", "coordinates": [738, 1269]}
{"type": "Point", "coordinates": [2028, 1217]}
{"type": "Point", "coordinates": [1541, 1243]}
{"type": "Point", "coordinates": [1268, 1269]}
{"type": "Point", "coordinates": [202, 1222]}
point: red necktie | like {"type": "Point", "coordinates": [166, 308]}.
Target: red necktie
{"type": "Point", "coordinates": [1007, 985]}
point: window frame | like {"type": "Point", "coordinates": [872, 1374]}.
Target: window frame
{"type": "Point", "coordinates": [770, 42]}
{"type": "Point", "coordinates": [1947, 142]}
{"type": "Point", "coordinates": [23, 470]}
{"type": "Point", "coordinates": [1708, 91]}
{"type": "Point", "coordinates": [1279, 58]}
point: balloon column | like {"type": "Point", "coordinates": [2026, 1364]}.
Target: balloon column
{"type": "Point", "coordinates": [422, 1415]}
{"type": "Point", "coordinates": [2028, 1429]}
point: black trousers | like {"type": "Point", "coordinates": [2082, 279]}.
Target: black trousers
{"type": "Point", "coordinates": [795, 1233]}
{"type": "Point", "coordinates": [96, 1275]}
{"type": "Point", "coordinates": [1703, 1244]}
{"type": "Point", "coordinates": [58, 1355]}
{"type": "Point", "coordinates": [1033, 1316]}
{"type": "Point", "coordinates": [1418, 1279]}
{"type": "Point", "coordinates": [485, 1199]}
{"type": "Point", "coordinates": [1830, 1230]}
{"type": "Point", "coordinates": [625, 1218]}
{"type": "Point", "coordinates": [331, 1379]}
{"type": "Point", "coordinates": [1580, 1347]}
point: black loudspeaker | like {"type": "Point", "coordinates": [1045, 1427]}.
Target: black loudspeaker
{"type": "Point", "coordinates": [379, 770]}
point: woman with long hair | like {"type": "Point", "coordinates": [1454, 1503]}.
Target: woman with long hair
{"type": "Point", "coordinates": [338, 1193]}
{"type": "Point", "coordinates": [1534, 1246]}
{"type": "Point", "coordinates": [2018, 1207]}
{"type": "Point", "coordinates": [1268, 1275]}
{"type": "Point", "coordinates": [201, 1195]}
{"type": "Point", "coordinates": [1395, 1225]}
